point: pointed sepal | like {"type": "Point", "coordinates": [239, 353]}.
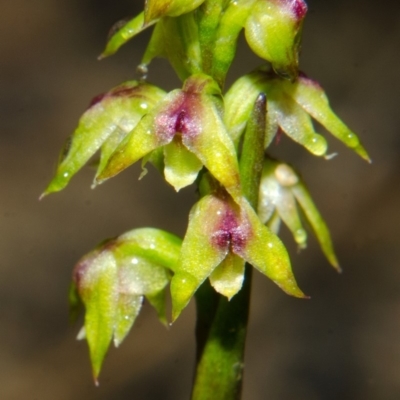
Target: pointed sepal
{"type": "Point", "coordinates": [112, 281]}
{"type": "Point", "coordinates": [113, 114]}
{"type": "Point", "coordinates": [282, 193]}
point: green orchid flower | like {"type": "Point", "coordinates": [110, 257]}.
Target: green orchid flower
{"type": "Point", "coordinates": [112, 281]}
{"type": "Point", "coordinates": [188, 125]}
{"type": "Point", "coordinates": [222, 234]}
{"type": "Point", "coordinates": [282, 193]}
{"type": "Point", "coordinates": [290, 108]}
{"type": "Point", "coordinates": [273, 31]}
{"type": "Point", "coordinates": [109, 118]}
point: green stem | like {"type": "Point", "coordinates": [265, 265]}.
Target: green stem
{"type": "Point", "coordinates": [221, 324]}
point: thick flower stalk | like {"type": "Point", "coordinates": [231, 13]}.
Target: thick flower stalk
{"type": "Point", "coordinates": [217, 140]}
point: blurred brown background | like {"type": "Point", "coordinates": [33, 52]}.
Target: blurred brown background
{"type": "Point", "coordinates": [342, 344]}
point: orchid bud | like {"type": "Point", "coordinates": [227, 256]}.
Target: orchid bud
{"type": "Point", "coordinates": [112, 281]}
{"type": "Point", "coordinates": [273, 31]}
{"type": "Point", "coordinates": [110, 117]}
{"type": "Point", "coordinates": [282, 193]}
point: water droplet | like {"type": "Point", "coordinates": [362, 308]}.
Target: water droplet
{"type": "Point", "coordinates": [317, 145]}
{"type": "Point", "coordinates": [270, 245]}
{"type": "Point", "coordinates": [351, 140]}
{"type": "Point", "coordinates": [144, 106]}
{"type": "Point", "coordinates": [66, 174]}
{"type": "Point", "coordinates": [135, 261]}
{"type": "Point", "coordinates": [300, 236]}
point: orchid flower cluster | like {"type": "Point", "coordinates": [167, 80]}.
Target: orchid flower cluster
{"type": "Point", "coordinates": [194, 135]}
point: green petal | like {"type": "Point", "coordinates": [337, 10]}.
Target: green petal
{"type": "Point", "coordinates": [287, 210]}
{"type": "Point", "coordinates": [181, 166]}
{"type": "Point", "coordinates": [199, 256]}
{"type": "Point", "coordinates": [214, 147]}
{"type": "Point", "coordinates": [127, 310]}
{"type": "Point", "coordinates": [157, 246]}
{"type": "Point", "coordinates": [161, 8]}
{"type": "Point", "coordinates": [296, 123]}
{"type": "Point", "coordinates": [227, 278]}
{"type": "Point", "coordinates": [119, 110]}
{"type": "Point", "coordinates": [158, 301]}
{"type": "Point", "coordinates": [99, 292]}
{"type": "Point", "coordinates": [239, 101]}
{"type": "Point", "coordinates": [317, 223]}
{"type": "Point", "coordinates": [266, 252]}
{"type": "Point", "coordinates": [309, 95]}
{"type": "Point", "coordinates": [138, 143]}
{"type": "Point", "coordinates": [122, 32]}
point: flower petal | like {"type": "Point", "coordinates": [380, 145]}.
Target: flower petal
{"type": "Point", "coordinates": [296, 123]}
{"type": "Point", "coordinates": [158, 302]}
{"type": "Point", "coordinates": [309, 95]}
{"type": "Point", "coordinates": [264, 251]}
{"type": "Point", "coordinates": [127, 310]}
{"type": "Point", "coordinates": [119, 109]}
{"type": "Point", "coordinates": [317, 223]}
{"type": "Point", "coordinates": [227, 278]}
{"type": "Point", "coordinates": [138, 143]}
{"type": "Point", "coordinates": [199, 255]}
{"type": "Point", "coordinates": [122, 32]}
{"type": "Point", "coordinates": [214, 147]}
{"type": "Point", "coordinates": [181, 166]}
{"type": "Point", "coordinates": [155, 245]}
{"type": "Point", "coordinates": [96, 280]}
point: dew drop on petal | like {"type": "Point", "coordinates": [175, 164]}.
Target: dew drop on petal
{"type": "Point", "coordinates": [318, 145]}
{"type": "Point", "coordinates": [300, 236]}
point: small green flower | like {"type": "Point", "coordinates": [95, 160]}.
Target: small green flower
{"type": "Point", "coordinates": [222, 234]}
{"type": "Point", "coordinates": [273, 31]}
{"type": "Point", "coordinates": [112, 281]}
{"type": "Point", "coordinates": [290, 108]}
{"type": "Point", "coordinates": [107, 121]}
{"type": "Point", "coordinates": [187, 123]}
{"type": "Point", "coordinates": [281, 191]}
